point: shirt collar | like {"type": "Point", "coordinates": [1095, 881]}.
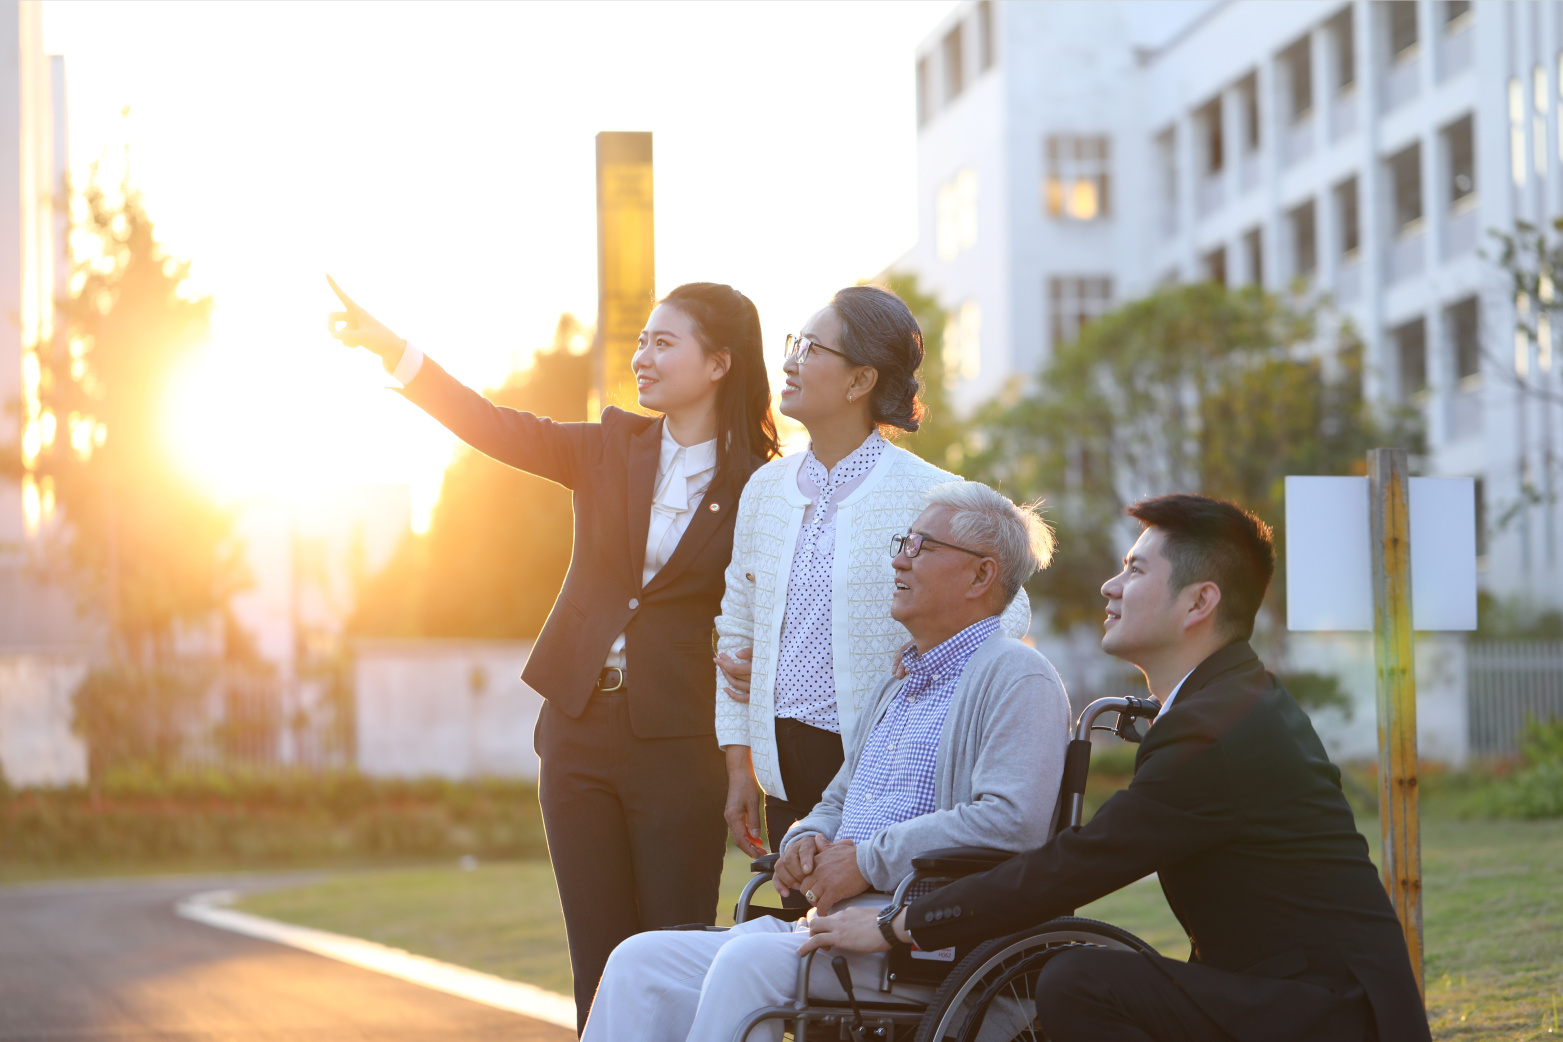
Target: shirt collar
{"type": "Point", "coordinates": [953, 651]}
{"type": "Point", "coordinates": [859, 461]}
{"type": "Point", "coordinates": [1170, 698]}
{"type": "Point", "coordinates": [697, 458]}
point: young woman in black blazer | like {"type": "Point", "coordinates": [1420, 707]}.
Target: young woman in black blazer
{"type": "Point", "coordinates": [632, 783]}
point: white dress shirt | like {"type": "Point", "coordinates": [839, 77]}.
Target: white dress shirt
{"type": "Point", "coordinates": [1172, 697]}
{"type": "Point", "coordinates": [684, 473]}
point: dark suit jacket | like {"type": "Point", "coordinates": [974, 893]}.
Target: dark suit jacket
{"type": "Point", "coordinates": [611, 467]}
{"type": "Point", "coordinates": [1237, 808]}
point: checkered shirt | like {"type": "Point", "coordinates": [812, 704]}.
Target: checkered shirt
{"type": "Point", "coordinates": [894, 779]}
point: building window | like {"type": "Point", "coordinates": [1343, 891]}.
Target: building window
{"type": "Point", "coordinates": [1305, 244]}
{"type": "Point", "coordinates": [1254, 255]}
{"type": "Point", "coordinates": [1078, 182]}
{"type": "Point", "coordinates": [1517, 132]}
{"type": "Point", "coordinates": [1208, 119]}
{"type": "Point", "coordinates": [956, 220]}
{"type": "Point", "coordinates": [1538, 119]}
{"type": "Point", "coordinates": [1248, 105]}
{"type": "Point", "coordinates": [1297, 77]}
{"type": "Point", "coordinates": [924, 97]}
{"type": "Point", "coordinates": [1405, 177]}
{"type": "Point", "coordinates": [1074, 302]}
{"type": "Point", "coordinates": [1410, 342]}
{"type": "Point", "coordinates": [1214, 266]}
{"type": "Point", "coordinates": [1461, 149]}
{"type": "Point", "coordinates": [954, 69]}
{"type": "Point", "coordinates": [985, 51]}
{"type": "Point", "coordinates": [1347, 226]}
{"type": "Point", "coordinates": [1455, 10]}
{"type": "Point", "coordinates": [963, 341]}
{"type": "Point", "coordinates": [1402, 29]}
{"type": "Point", "coordinates": [1461, 320]}
{"type": "Point", "coordinates": [1342, 34]}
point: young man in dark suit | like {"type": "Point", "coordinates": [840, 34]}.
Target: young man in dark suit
{"type": "Point", "coordinates": [1234, 805]}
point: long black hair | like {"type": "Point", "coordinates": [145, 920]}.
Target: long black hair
{"type": "Point", "coordinates": [727, 320]}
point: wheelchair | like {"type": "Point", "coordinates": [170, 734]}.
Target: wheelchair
{"type": "Point", "coordinates": [984, 993]}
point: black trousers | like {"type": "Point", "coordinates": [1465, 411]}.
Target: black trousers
{"type": "Point", "coordinates": [809, 758]}
{"type": "Point", "coordinates": [635, 830]}
{"type": "Point", "coordinates": [1097, 995]}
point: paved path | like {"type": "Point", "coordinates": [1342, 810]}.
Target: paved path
{"type": "Point", "coordinates": [111, 962]}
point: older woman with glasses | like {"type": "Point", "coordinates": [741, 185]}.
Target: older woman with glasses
{"type": "Point", "coordinates": [805, 633]}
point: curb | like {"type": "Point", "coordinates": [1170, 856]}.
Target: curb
{"type": "Point", "coordinates": [513, 996]}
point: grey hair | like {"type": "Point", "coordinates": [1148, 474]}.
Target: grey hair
{"type": "Point", "coordinates": [983, 519]}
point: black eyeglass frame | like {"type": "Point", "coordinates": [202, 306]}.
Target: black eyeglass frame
{"type": "Point", "coordinates": [807, 345]}
{"type": "Point", "coordinates": [900, 543]}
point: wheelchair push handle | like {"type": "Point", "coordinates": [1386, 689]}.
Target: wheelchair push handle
{"type": "Point", "coordinates": [1077, 760]}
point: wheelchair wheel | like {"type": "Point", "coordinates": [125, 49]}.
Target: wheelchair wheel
{"type": "Point", "coordinates": [989, 995]}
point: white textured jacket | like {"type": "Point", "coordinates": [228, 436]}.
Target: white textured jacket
{"type": "Point", "coordinates": [864, 638]}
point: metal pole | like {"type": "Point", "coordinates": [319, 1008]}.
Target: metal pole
{"type": "Point", "coordinates": [1390, 507]}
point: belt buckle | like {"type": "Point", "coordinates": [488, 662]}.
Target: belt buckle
{"type": "Point", "coordinates": [618, 681]}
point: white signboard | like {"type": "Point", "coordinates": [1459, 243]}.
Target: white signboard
{"type": "Point", "coordinates": [1328, 566]}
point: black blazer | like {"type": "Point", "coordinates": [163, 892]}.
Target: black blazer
{"type": "Point", "coordinates": [1237, 808]}
{"type": "Point", "coordinates": [611, 467]}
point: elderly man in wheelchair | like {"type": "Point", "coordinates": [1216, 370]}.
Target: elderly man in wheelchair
{"type": "Point", "coordinates": [966, 750]}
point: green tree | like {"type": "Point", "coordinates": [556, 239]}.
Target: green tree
{"type": "Point", "coordinates": [1194, 389]}
{"type": "Point", "coordinates": [499, 542]}
{"type": "Point", "coordinates": [141, 545]}
{"type": "Point", "coordinates": [940, 430]}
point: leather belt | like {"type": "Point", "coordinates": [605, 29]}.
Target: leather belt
{"type": "Point", "coordinates": [610, 679]}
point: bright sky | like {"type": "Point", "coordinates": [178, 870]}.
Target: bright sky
{"type": "Point", "coordinates": [438, 160]}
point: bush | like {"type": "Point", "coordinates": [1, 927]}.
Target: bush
{"type": "Point", "coordinates": [273, 818]}
{"type": "Point", "coordinates": [1533, 791]}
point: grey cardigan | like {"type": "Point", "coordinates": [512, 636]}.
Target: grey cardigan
{"type": "Point", "coordinates": [1000, 762]}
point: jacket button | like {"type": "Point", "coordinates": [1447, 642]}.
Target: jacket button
{"type": "Point", "coordinates": [956, 910]}
{"type": "Point", "coordinates": [927, 917]}
{"type": "Point", "coordinates": [634, 603]}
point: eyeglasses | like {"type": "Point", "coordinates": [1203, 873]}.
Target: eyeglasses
{"type": "Point", "coordinates": [912, 544]}
{"type": "Point", "coordinates": [799, 347]}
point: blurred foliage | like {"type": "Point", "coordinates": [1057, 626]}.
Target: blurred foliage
{"type": "Point", "coordinates": [499, 542]}
{"type": "Point", "coordinates": [1317, 691]}
{"type": "Point", "coordinates": [273, 818]}
{"type": "Point", "coordinates": [130, 715]}
{"type": "Point", "coordinates": [1532, 788]}
{"type": "Point", "coordinates": [1195, 388]}
{"type": "Point", "coordinates": [142, 546]}
{"type": "Point", "coordinates": [1500, 618]}
{"type": "Point", "coordinates": [940, 429]}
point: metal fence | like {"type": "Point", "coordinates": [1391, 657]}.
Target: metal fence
{"type": "Point", "coordinates": [252, 720]}
{"type": "Point", "coordinates": [1510, 683]}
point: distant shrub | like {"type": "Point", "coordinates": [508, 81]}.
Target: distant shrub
{"type": "Point", "coordinates": [1316, 691]}
{"type": "Point", "coordinates": [1533, 791]}
{"type": "Point", "coordinates": [272, 818]}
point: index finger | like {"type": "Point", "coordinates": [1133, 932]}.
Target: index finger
{"type": "Point", "coordinates": [346, 300]}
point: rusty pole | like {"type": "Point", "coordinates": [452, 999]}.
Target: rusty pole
{"type": "Point", "coordinates": [1390, 506]}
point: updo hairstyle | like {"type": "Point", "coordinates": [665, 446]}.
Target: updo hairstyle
{"type": "Point", "coordinates": [878, 330]}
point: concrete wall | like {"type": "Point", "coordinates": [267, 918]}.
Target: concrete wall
{"type": "Point", "coordinates": [448, 709]}
{"type": "Point", "coordinates": [37, 747]}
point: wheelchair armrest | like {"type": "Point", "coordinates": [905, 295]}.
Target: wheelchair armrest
{"type": "Point", "coordinates": [764, 863]}
{"type": "Point", "coordinates": [959, 861]}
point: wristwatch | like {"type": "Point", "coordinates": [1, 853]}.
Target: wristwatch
{"type": "Point", "coordinates": [886, 922]}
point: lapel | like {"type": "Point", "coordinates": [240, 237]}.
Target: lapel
{"type": "Point", "coordinates": [645, 454]}
{"type": "Point", "coordinates": [724, 496]}
{"type": "Point", "coordinates": [1218, 664]}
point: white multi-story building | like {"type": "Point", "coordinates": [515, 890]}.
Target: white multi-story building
{"type": "Point", "coordinates": [1075, 155]}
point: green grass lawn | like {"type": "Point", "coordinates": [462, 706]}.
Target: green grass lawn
{"type": "Point", "coordinates": [1494, 921]}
